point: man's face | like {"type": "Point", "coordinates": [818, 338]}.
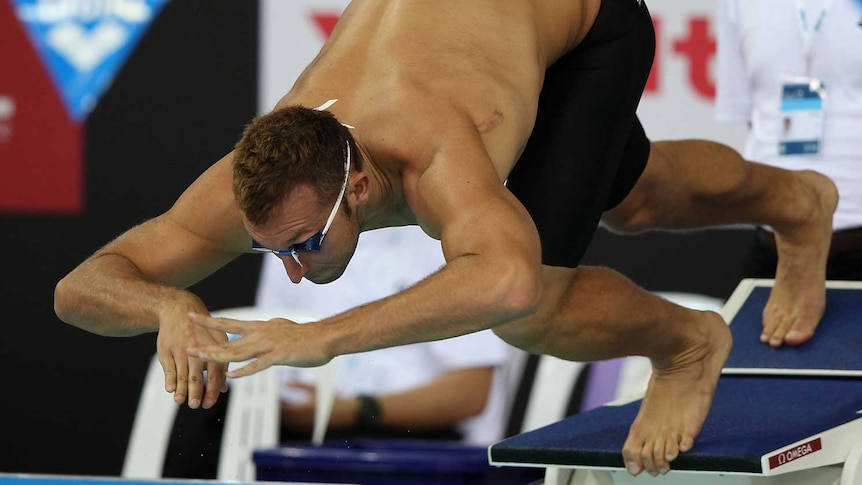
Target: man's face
{"type": "Point", "coordinates": [297, 225]}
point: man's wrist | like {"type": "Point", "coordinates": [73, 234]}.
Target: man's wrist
{"type": "Point", "coordinates": [177, 303]}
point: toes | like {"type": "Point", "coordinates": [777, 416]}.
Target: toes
{"type": "Point", "coordinates": [634, 466]}
{"type": "Point", "coordinates": [632, 455]}
{"type": "Point", "coordinates": [774, 330]}
{"type": "Point", "coordinates": [798, 336]}
{"type": "Point", "coordinates": [769, 326]}
{"type": "Point", "coordinates": [648, 460]}
{"type": "Point", "coordinates": [655, 457]}
{"type": "Point", "coordinates": [776, 340]}
{"type": "Point", "coordinates": [671, 450]}
{"type": "Point", "coordinates": [660, 457]}
{"type": "Point", "coordinates": [686, 443]}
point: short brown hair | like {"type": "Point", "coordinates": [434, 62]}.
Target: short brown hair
{"type": "Point", "coordinates": [284, 148]}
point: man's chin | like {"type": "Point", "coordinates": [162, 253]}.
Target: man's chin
{"type": "Point", "coordinates": [323, 279]}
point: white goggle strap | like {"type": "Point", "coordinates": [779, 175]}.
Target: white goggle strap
{"type": "Point", "coordinates": [329, 103]}
{"type": "Point", "coordinates": [343, 190]}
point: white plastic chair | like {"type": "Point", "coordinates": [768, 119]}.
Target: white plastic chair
{"type": "Point", "coordinates": [252, 419]}
{"type": "Point", "coordinates": [553, 384]}
{"type": "Point", "coordinates": [148, 442]}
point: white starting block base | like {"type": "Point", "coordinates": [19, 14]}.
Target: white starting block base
{"type": "Point", "coordinates": [830, 475]}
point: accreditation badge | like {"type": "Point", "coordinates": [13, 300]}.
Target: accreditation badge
{"type": "Point", "coordinates": [803, 101]}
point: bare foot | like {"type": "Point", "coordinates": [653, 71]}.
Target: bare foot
{"type": "Point", "coordinates": [678, 398]}
{"type": "Point", "coordinates": [798, 299]}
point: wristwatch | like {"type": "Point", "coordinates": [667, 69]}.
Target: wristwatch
{"type": "Point", "coordinates": [369, 413]}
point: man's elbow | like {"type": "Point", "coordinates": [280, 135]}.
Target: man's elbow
{"type": "Point", "coordinates": [62, 300]}
{"type": "Point", "coordinates": [474, 408]}
{"type": "Point", "coordinates": [478, 403]}
{"type": "Point", "coordinates": [68, 300]}
{"type": "Point", "coordinates": [68, 308]}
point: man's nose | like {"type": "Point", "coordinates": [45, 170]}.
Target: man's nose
{"type": "Point", "coordinates": [294, 270]}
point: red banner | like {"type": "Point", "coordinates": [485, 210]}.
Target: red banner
{"type": "Point", "coordinates": [41, 148]}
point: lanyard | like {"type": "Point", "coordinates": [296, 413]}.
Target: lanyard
{"type": "Point", "coordinates": [808, 31]}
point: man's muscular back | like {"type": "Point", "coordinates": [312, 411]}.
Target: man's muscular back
{"type": "Point", "coordinates": [403, 70]}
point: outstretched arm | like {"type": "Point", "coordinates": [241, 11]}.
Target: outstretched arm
{"type": "Point", "coordinates": [135, 283]}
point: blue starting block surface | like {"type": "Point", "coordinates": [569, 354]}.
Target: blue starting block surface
{"type": "Point", "coordinates": [833, 351]}
{"type": "Point", "coordinates": [757, 425]}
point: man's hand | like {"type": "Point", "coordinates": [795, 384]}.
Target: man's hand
{"type": "Point", "coordinates": [274, 342]}
{"type": "Point", "coordinates": [184, 376]}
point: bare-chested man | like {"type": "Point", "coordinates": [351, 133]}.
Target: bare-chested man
{"type": "Point", "coordinates": [443, 97]}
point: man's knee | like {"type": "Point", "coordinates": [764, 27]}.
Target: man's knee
{"type": "Point", "coordinates": [639, 211]}
{"type": "Point", "coordinates": [531, 333]}
{"type": "Point", "coordinates": [527, 334]}
{"type": "Point", "coordinates": [519, 334]}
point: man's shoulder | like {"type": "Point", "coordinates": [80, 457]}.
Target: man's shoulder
{"type": "Point", "coordinates": [411, 133]}
{"type": "Point", "coordinates": [208, 208]}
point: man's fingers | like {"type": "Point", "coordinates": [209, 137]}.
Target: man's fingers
{"type": "Point", "coordinates": [235, 351]}
{"type": "Point", "coordinates": [182, 372]}
{"type": "Point", "coordinates": [224, 324]}
{"type": "Point", "coordinates": [252, 367]}
{"type": "Point", "coordinates": [215, 383]}
{"type": "Point", "coordinates": [195, 383]}
{"type": "Point", "coordinates": [167, 362]}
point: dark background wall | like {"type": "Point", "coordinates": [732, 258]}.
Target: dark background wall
{"type": "Point", "coordinates": [178, 105]}
{"type": "Point", "coordinates": [68, 397]}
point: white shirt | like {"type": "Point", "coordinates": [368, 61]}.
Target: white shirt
{"type": "Point", "coordinates": [387, 261]}
{"type": "Point", "coordinates": [761, 40]}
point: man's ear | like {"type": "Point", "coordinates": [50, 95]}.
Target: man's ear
{"type": "Point", "coordinates": [360, 187]}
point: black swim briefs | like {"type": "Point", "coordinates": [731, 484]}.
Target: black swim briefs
{"type": "Point", "coordinates": [587, 148]}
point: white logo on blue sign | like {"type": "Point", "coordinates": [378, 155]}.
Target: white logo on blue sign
{"type": "Point", "coordinates": [85, 42]}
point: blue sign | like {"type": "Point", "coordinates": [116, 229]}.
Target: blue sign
{"type": "Point", "coordinates": [85, 42]}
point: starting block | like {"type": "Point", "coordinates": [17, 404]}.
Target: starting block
{"type": "Point", "coordinates": [788, 416]}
